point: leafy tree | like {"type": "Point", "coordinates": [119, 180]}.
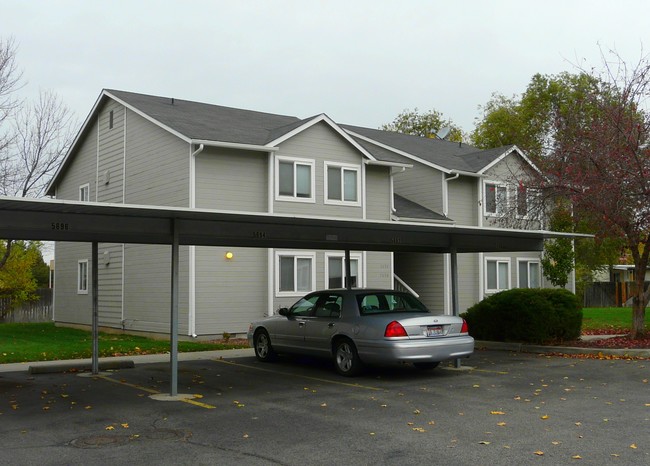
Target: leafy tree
{"type": "Point", "coordinates": [600, 162]}
{"type": "Point", "coordinates": [426, 125]}
{"type": "Point", "coordinates": [528, 121]}
{"type": "Point", "coordinates": [17, 282]}
{"type": "Point", "coordinates": [558, 258]}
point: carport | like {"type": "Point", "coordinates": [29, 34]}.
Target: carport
{"type": "Point", "coordinates": [58, 220]}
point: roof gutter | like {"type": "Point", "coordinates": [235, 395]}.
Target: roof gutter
{"type": "Point", "coordinates": [382, 163]}
{"type": "Point", "coordinates": [234, 145]}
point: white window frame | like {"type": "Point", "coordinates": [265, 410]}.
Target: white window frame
{"type": "Point", "coordinates": [82, 276]}
{"type": "Point", "coordinates": [343, 167]}
{"type": "Point", "coordinates": [295, 161]}
{"type": "Point", "coordinates": [353, 256]}
{"type": "Point", "coordinates": [84, 188]}
{"type": "Point", "coordinates": [296, 255]}
{"type": "Point", "coordinates": [498, 260]}
{"type": "Point", "coordinates": [529, 261]}
{"type": "Point", "coordinates": [497, 185]}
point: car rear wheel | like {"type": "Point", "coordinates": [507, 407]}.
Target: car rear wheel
{"type": "Point", "coordinates": [346, 358]}
{"type": "Point", "coordinates": [262, 344]}
{"type": "Point", "coordinates": [426, 365]}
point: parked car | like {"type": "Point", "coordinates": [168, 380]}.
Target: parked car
{"type": "Point", "coordinates": [362, 326]}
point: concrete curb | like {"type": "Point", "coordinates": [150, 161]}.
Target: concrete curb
{"type": "Point", "coordinates": [524, 348]}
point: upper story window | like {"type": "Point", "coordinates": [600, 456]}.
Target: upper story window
{"type": "Point", "coordinates": [496, 198]}
{"type": "Point", "coordinates": [342, 184]}
{"type": "Point", "coordinates": [294, 179]}
{"type": "Point", "coordinates": [84, 192]}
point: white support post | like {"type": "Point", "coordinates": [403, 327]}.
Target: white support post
{"type": "Point", "coordinates": [454, 290]}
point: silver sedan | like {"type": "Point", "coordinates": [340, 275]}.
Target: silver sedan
{"type": "Point", "coordinates": [362, 326]}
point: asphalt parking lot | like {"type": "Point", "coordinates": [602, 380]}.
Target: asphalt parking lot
{"type": "Point", "coordinates": [509, 408]}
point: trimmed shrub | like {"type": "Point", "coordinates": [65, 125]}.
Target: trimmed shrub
{"type": "Point", "coordinates": [526, 315]}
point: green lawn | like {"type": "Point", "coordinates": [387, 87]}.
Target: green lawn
{"type": "Point", "coordinates": [609, 317]}
{"type": "Point", "coordinates": [45, 341]}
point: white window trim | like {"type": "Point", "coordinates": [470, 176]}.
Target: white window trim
{"type": "Point", "coordinates": [528, 261]}
{"type": "Point", "coordinates": [79, 289]}
{"type": "Point", "coordinates": [499, 184]}
{"type": "Point", "coordinates": [353, 256]}
{"type": "Point", "coordinates": [81, 189]}
{"type": "Point", "coordinates": [295, 255]}
{"type": "Point", "coordinates": [498, 260]}
{"type": "Point", "coordinates": [342, 166]}
{"type": "Point", "coordinates": [300, 161]}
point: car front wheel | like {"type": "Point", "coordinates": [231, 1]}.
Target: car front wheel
{"type": "Point", "coordinates": [346, 358]}
{"type": "Point", "coordinates": [262, 344]}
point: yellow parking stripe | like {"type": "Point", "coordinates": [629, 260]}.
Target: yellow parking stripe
{"type": "Point", "coordinates": [335, 382]}
{"type": "Point", "coordinates": [154, 392]}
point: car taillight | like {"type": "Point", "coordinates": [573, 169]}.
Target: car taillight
{"type": "Point", "coordinates": [465, 327]}
{"type": "Point", "coordinates": [395, 329]}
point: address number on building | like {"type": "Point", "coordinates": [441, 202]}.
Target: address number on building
{"type": "Point", "coordinates": [60, 226]}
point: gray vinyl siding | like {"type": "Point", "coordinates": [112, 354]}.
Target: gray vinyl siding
{"type": "Point", "coordinates": [321, 144]}
{"type": "Point", "coordinates": [147, 288]}
{"type": "Point", "coordinates": [110, 165]}
{"type": "Point", "coordinates": [379, 273]}
{"type": "Point", "coordinates": [425, 274]}
{"type": "Point", "coordinates": [157, 166]}
{"type": "Point", "coordinates": [378, 194]}
{"type": "Point", "coordinates": [231, 179]}
{"type": "Point", "coordinates": [230, 294]}
{"type": "Point", "coordinates": [462, 197]}
{"type": "Point", "coordinates": [110, 281]}
{"type": "Point", "coordinates": [71, 307]}
{"type": "Point", "coordinates": [421, 184]}
{"type": "Point", "coordinates": [468, 281]}
{"type": "Point", "coordinates": [82, 169]}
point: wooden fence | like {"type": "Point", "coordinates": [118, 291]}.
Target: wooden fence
{"type": "Point", "coordinates": [609, 294]}
{"type": "Point", "coordinates": [33, 311]}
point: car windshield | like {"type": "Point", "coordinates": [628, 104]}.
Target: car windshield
{"type": "Point", "coordinates": [383, 302]}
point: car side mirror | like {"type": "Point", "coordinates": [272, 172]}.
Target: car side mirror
{"type": "Point", "coordinates": [283, 311]}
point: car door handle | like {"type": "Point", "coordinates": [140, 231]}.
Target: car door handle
{"type": "Point", "coordinates": [330, 325]}
{"type": "Point", "coordinates": [301, 323]}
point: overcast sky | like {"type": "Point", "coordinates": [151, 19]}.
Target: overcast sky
{"type": "Point", "coordinates": [360, 62]}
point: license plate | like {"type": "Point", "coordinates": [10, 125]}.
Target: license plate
{"type": "Point", "coordinates": [434, 330]}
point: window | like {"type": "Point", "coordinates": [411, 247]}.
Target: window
{"type": "Point", "coordinates": [342, 184]}
{"type": "Point", "coordinates": [529, 273]}
{"type": "Point", "coordinates": [82, 277]}
{"type": "Point", "coordinates": [522, 200]}
{"type": "Point", "coordinates": [295, 179]}
{"type": "Point", "coordinates": [496, 199]}
{"type": "Point", "coordinates": [295, 273]}
{"type": "Point", "coordinates": [497, 274]}
{"type": "Point", "coordinates": [84, 192]}
{"type": "Point", "coordinates": [335, 272]}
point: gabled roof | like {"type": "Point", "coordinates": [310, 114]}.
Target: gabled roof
{"type": "Point", "coordinates": [406, 209]}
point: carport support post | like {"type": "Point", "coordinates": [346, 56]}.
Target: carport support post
{"type": "Point", "coordinates": [173, 332]}
{"type": "Point", "coordinates": [348, 278]}
{"type": "Point", "coordinates": [95, 322]}
{"type": "Point", "coordinates": [454, 289]}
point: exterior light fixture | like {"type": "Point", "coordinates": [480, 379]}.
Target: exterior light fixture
{"type": "Point", "coordinates": [229, 255]}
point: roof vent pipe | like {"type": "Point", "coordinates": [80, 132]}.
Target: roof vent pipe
{"type": "Point", "coordinates": [172, 101]}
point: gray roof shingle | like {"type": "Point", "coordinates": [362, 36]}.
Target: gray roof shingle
{"type": "Point", "coordinates": [405, 208]}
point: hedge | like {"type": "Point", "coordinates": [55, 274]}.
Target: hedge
{"type": "Point", "coordinates": [526, 315]}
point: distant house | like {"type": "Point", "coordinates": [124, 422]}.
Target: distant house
{"type": "Point", "coordinates": [148, 150]}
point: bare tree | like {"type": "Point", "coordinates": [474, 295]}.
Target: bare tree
{"type": "Point", "coordinates": [33, 137]}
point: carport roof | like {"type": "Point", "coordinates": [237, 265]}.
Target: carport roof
{"type": "Point", "coordinates": [58, 220]}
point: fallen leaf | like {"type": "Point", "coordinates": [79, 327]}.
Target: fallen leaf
{"type": "Point", "coordinates": [497, 412]}
{"type": "Point", "coordinates": [483, 442]}
{"type": "Point", "coordinates": [125, 425]}
{"type": "Point", "coordinates": [245, 435]}
{"type": "Point", "coordinates": [431, 423]}
{"type": "Point", "coordinates": [578, 424]}
{"type": "Point", "coordinates": [419, 429]}
{"type": "Point", "coordinates": [556, 442]}
{"type": "Point", "coordinates": [109, 428]}
{"type": "Point", "coordinates": [323, 405]}
{"type": "Point", "coordinates": [501, 424]}
{"type": "Point", "coordinates": [576, 457]}
{"type": "Point", "coordinates": [545, 416]}
{"type": "Point", "coordinates": [539, 453]}
{"type": "Point", "coordinates": [633, 446]}
{"type": "Point", "coordinates": [417, 411]}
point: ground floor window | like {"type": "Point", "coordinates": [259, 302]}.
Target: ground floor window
{"type": "Point", "coordinates": [335, 273]}
{"type": "Point", "coordinates": [82, 276]}
{"type": "Point", "coordinates": [497, 274]}
{"type": "Point", "coordinates": [529, 273]}
{"type": "Point", "coordinates": [295, 273]}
